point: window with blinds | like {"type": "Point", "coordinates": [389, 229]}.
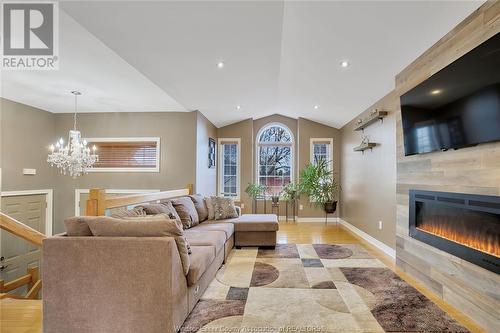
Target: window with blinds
{"type": "Point", "coordinates": [126, 154]}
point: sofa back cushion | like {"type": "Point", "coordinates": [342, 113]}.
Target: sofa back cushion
{"type": "Point", "coordinates": [186, 211]}
{"type": "Point", "coordinates": [201, 206]}
{"type": "Point", "coordinates": [165, 207]}
{"type": "Point", "coordinates": [147, 226]}
{"type": "Point", "coordinates": [77, 226]}
{"type": "Point", "coordinates": [210, 207]}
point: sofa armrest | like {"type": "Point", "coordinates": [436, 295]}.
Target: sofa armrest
{"type": "Point", "coordinates": [112, 284]}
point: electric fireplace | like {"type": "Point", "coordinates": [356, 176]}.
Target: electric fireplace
{"type": "Point", "coordinates": [465, 225]}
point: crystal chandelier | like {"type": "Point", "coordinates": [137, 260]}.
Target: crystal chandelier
{"type": "Point", "coordinates": [74, 158]}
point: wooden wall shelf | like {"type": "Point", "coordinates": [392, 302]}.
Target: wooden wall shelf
{"type": "Point", "coordinates": [378, 115]}
{"type": "Point", "coordinates": [364, 147]}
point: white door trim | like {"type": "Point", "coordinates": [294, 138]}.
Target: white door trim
{"type": "Point", "coordinates": [48, 199]}
{"type": "Point", "coordinates": [79, 191]}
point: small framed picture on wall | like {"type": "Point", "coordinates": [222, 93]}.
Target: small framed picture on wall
{"type": "Point", "coordinates": [211, 153]}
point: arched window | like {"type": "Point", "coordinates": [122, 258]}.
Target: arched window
{"type": "Point", "coordinates": [274, 157]}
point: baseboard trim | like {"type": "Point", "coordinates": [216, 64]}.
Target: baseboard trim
{"type": "Point", "coordinates": [316, 219]}
{"type": "Point", "coordinates": [373, 241]}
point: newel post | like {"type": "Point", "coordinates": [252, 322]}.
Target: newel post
{"type": "Point", "coordinates": [96, 203]}
{"type": "Point", "coordinates": [190, 188]}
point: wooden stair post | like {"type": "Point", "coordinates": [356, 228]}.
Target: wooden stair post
{"type": "Point", "coordinates": [96, 204]}
{"type": "Point", "coordinates": [32, 278]}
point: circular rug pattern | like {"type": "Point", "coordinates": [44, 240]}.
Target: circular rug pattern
{"type": "Point", "coordinates": [263, 274]}
{"type": "Point", "coordinates": [326, 251]}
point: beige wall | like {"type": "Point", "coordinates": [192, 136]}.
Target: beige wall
{"type": "Point", "coordinates": [177, 132]}
{"type": "Point", "coordinates": [183, 140]}
{"type": "Point", "coordinates": [26, 134]}
{"type": "Point", "coordinates": [473, 290]}
{"type": "Point", "coordinates": [206, 178]}
{"type": "Point", "coordinates": [308, 129]}
{"type": "Point", "coordinates": [376, 184]}
{"type": "Point", "coordinates": [368, 179]}
{"type": "Point", "coordinates": [302, 130]}
{"type": "Point", "coordinates": [184, 151]}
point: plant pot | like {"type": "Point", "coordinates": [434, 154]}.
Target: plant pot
{"type": "Point", "coordinates": [330, 207]}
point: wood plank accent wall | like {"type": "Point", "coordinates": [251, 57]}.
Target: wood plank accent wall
{"type": "Point", "coordinates": [471, 289]}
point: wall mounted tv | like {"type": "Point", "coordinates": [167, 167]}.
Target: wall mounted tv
{"type": "Point", "coordinates": [457, 107]}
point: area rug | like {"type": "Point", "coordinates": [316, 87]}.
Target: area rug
{"type": "Point", "coordinates": [313, 288]}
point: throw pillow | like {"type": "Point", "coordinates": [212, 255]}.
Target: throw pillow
{"type": "Point", "coordinates": [147, 226]}
{"type": "Point", "coordinates": [184, 207]}
{"type": "Point", "coordinates": [210, 208]}
{"type": "Point", "coordinates": [201, 206]}
{"type": "Point", "coordinates": [164, 207]}
{"type": "Point", "coordinates": [224, 208]}
{"type": "Point", "coordinates": [136, 211]}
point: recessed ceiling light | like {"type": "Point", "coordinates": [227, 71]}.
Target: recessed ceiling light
{"type": "Point", "coordinates": [344, 63]}
{"type": "Point", "coordinates": [316, 107]}
{"type": "Point", "coordinates": [436, 92]}
{"type": "Point", "coordinates": [220, 64]}
{"type": "Point", "coordinates": [238, 107]}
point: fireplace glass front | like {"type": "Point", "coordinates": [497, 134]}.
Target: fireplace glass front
{"type": "Point", "coordinates": [464, 225]}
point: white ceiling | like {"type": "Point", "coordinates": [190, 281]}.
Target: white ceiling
{"type": "Point", "coordinates": [280, 57]}
{"type": "Point", "coordinates": [107, 82]}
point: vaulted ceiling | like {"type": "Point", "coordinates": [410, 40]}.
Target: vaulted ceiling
{"type": "Point", "coordinates": [279, 56]}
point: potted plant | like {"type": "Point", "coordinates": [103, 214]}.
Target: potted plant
{"type": "Point", "coordinates": [290, 194]}
{"type": "Point", "coordinates": [318, 183]}
{"type": "Point", "coordinates": [255, 191]}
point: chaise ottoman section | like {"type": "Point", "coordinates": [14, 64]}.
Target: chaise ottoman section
{"type": "Point", "coordinates": [255, 230]}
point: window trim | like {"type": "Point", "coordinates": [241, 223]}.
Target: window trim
{"type": "Point", "coordinates": [220, 142]}
{"type": "Point", "coordinates": [128, 139]}
{"type": "Point", "coordinates": [312, 141]}
{"type": "Point", "coordinates": [291, 144]}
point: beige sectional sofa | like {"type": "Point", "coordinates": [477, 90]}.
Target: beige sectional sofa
{"type": "Point", "coordinates": [137, 284]}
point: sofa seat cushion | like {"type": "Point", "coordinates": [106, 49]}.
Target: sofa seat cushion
{"type": "Point", "coordinates": [228, 228]}
{"type": "Point", "coordinates": [255, 222]}
{"type": "Point", "coordinates": [214, 238]}
{"type": "Point", "coordinates": [201, 258]}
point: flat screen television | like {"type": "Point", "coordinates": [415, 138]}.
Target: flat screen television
{"type": "Point", "coordinates": [457, 107]}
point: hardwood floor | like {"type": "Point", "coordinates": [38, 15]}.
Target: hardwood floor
{"type": "Point", "coordinates": [26, 316]}
{"type": "Point", "coordinates": [321, 233]}
{"type": "Point", "coordinates": [18, 316]}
